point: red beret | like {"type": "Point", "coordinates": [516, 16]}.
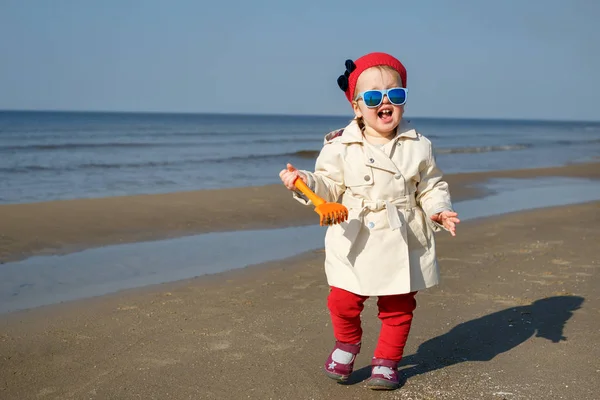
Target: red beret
{"type": "Point", "coordinates": [365, 62]}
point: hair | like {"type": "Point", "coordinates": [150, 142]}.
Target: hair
{"type": "Point", "coordinates": [359, 120]}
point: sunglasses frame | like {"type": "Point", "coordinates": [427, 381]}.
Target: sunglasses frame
{"type": "Point", "coordinates": [384, 93]}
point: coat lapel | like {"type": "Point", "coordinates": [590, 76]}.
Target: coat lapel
{"type": "Point", "coordinates": [406, 131]}
{"type": "Point", "coordinates": [376, 158]}
{"type": "Point", "coordinates": [352, 134]}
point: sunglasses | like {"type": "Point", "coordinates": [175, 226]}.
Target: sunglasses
{"type": "Point", "coordinates": [374, 98]}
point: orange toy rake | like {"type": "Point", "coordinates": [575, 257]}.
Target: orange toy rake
{"type": "Point", "coordinates": [329, 213]}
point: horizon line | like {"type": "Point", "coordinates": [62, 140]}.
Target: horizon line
{"type": "Point", "coordinates": [285, 115]}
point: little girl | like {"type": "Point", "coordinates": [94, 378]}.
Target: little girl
{"type": "Point", "coordinates": [385, 173]}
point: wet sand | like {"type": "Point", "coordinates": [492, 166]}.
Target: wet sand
{"type": "Point", "coordinates": [71, 225]}
{"type": "Point", "coordinates": [516, 317]}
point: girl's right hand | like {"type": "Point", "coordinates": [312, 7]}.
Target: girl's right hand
{"type": "Point", "coordinates": [289, 175]}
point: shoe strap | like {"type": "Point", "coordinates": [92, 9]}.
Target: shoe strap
{"type": "Point", "coordinates": [380, 362]}
{"type": "Point", "coordinates": [350, 348]}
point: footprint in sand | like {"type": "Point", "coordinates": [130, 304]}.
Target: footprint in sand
{"type": "Point", "coordinates": [127, 308]}
{"type": "Point", "coordinates": [234, 356]}
{"type": "Point", "coordinates": [224, 332]}
{"type": "Point", "coordinates": [265, 337]}
{"type": "Point", "coordinates": [542, 283]}
{"type": "Point", "coordinates": [277, 347]}
{"type": "Point", "coordinates": [158, 362]}
{"type": "Point", "coordinates": [286, 296]}
{"type": "Point", "coordinates": [303, 286]}
{"type": "Point", "coordinates": [45, 392]}
{"type": "Point", "coordinates": [220, 345]}
{"type": "Point", "coordinates": [273, 344]}
{"type": "Point", "coordinates": [587, 266]}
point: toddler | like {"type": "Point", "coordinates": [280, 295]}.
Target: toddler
{"type": "Point", "coordinates": [385, 173]}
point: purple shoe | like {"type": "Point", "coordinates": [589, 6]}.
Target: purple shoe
{"type": "Point", "coordinates": [384, 375]}
{"type": "Point", "coordinates": [337, 371]}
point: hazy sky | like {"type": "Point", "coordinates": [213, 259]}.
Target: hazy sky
{"type": "Point", "coordinates": [482, 58]}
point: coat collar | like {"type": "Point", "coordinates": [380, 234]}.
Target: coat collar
{"type": "Point", "coordinates": [353, 134]}
{"type": "Point", "coordinates": [405, 130]}
{"type": "Point", "coordinates": [375, 157]}
{"type": "Point", "coordinates": [380, 158]}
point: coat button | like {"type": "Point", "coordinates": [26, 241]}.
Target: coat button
{"type": "Point", "coordinates": [371, 225]}
{"type": "Point", "coordinates": [367, 178]}
{"type": "Point", "coordinates": [397, 176]}
{"type": "Point", "coordinates": [371, 160]}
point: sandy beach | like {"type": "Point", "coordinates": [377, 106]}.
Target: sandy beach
{"type": "Point", "coordinates": [149, 249]}
{"type": "Point", "coordinates": [516, 317]}
{"type": "Point", "coordinates": [70, 225]}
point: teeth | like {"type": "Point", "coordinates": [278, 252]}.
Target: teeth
{"type": "Point", "coordinates": [387, 112]}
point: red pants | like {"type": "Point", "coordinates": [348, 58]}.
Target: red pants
{"type": "Point", "coordinates": [395, 313]}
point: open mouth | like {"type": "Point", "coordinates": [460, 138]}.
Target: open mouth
{"type": "Point", "coordinates": [385, 114]}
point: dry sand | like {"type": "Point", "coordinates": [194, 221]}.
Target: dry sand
{"type": "Point", "coordinates": [517, 316]}
{"type": "Point", "coordinates": [66, 226]}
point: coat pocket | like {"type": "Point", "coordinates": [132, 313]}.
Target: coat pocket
{"type": "Point", "coordinates": [416, 230]}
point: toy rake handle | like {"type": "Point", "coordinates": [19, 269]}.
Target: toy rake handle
{"type": "Point", "coordinates": [316, 200]}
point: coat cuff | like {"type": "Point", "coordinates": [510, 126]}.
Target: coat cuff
{"type": "Point", "coordinates": [438, 208]}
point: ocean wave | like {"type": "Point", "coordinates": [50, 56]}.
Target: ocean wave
{"type": "Point", "coordinates": [133, 145]}
{"type": "Point", "coordinates": [25, 169]}
{"type": "Point", "coordinates": [513, 147]}
{"type": "Point", "coordinates": [576, 142]}
{"type": "Point", "coordinates": [275, 140]}
{"type": "Point", "coordinates": [275, 158]}
{"type": "Point", "coordinates": [304, 154]}
{"type": "Point", "coordinates": [482, 149]}
{"type": "Point", "coordinates": [21, 169]}
{"type": "Point", "coordinates": [82, 146]}
{"type": "Point", "coordinates": [310, 154]}
{"type": "Point", "coordinates": [285, 140]}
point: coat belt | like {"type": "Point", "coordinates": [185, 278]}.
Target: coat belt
{"type": "Point", "coordinates": [366, 206]}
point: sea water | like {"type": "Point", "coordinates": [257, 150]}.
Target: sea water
{"type": "Point", "coordinates": [44, 280]}
{"type": "Point", "coordinates": [64, 155]}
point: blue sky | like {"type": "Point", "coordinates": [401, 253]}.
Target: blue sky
{"type": "Point", "coordinates": [500, 59]}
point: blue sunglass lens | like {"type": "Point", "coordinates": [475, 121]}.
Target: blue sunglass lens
{"type": "Point", "coordinates": [372, 98]}
{"type": "Point", "coordinates": [397, 96]}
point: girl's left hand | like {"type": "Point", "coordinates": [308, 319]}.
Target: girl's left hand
{"type": "Point", "coordinates": [448, 219]}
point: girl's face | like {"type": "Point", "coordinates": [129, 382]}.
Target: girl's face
{"type": "Point", "coordinates": [382, 120]}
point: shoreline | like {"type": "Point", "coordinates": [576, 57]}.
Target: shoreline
{"type": "Point", "coordinates": [517, 290]}
{"type": "Point", "coordinates": [66, 226]}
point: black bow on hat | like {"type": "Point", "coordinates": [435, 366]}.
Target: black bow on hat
{"type": "Point", "coordinates": [342, 80]}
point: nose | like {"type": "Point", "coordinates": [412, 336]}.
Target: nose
{"type": "Point", "coordinates": [385, 100]}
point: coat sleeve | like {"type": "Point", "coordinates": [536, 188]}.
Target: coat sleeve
{"type": "Point", "coordinates": [327, 181]}
{"type": "Point", "coordinates": [433, 193]}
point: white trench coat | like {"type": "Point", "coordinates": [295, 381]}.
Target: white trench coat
{"type": "Point", "coordinates": [387, 246]}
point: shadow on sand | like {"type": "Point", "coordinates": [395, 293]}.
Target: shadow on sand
{"type": "Point", "coordinates": [484, 338]}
